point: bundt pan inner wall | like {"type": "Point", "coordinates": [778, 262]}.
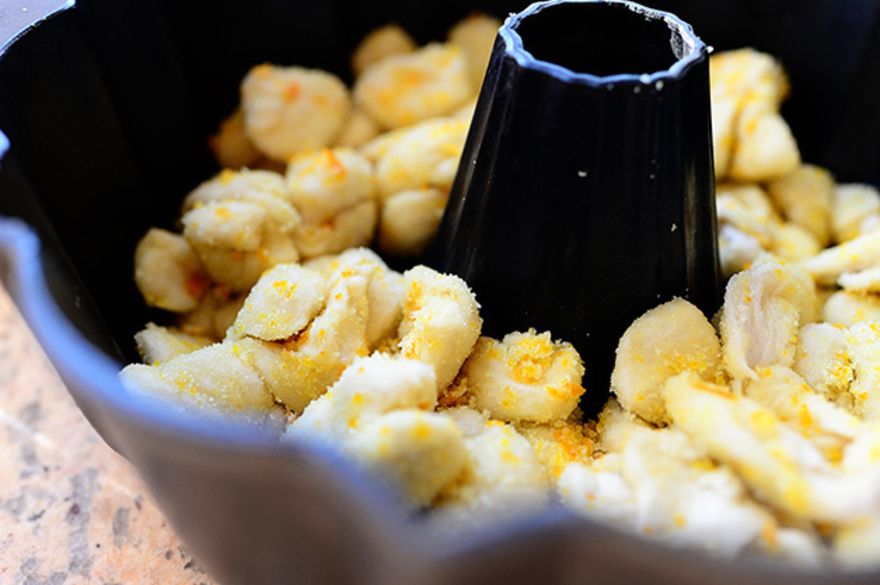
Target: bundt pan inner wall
{"type": "Point", "coordinates": [106, 106]}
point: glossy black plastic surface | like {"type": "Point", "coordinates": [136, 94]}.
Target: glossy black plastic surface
{"type": "Point", "coordinates": [585, 196]}
{"type": "Point", "coordinates": [107, 106]}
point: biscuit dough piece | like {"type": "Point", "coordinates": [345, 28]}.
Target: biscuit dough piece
{"type": "Point", "coordinates": [441, 322]}
{"type": "Point", "coordinates": [766, 148]}
{"type": "Point", "coordinates": [865, 282]}
{"type": "Point", "coordinates": [778, 464]}
{"type": "Point", "coordinates": [385, 291]}
{"type": "Point", "coordinates": [845, 308]}
{"type": "Point", "coordinates": [231, 146]}
{"type": "Point", "coordinates": [502, 476]}
{"type": "Point", "coordinates": [240, 224]}
{"type": "Point", "coordinates": [410, 219]}
{"type": "Point", "coordinates": [860, 253]}
{"type": "Point", "coordinates": [669, 339]}
{"type": "Point", "coordinates": [358, 130]}
{"type": "Point", "coordinates": [368, 388]}
{"type": "Point", "coordinates": [168, 273]}
{"type": "Point", "coordinates": [350, 228]}
{"type": "Point", "coordinates": [423, 452]}
{"type": "Point", "coordinates": [383, 42]}
{"type": "Point", "coordinates": [159, 344]}
{"type": "Point", "coordinates": [863, 349]}
{"type": "Point", "coordinates": [805, 199]}
{"type": "Point", "coordinates": [401, 90]}
{"type": "Point", "coordinates": [325, 182]}
{"type": "Point", "coordinates": [824, 362]}
{"type": "Point", "coordinates": [476, 35]}
{"type": "Point", "coordinates": [852, 208]}
{"type": "Point", "coordinates": [764, 308]}
{"type": "Point", "coordinates": [525, 377]}
{"type": "Point", "coordinates": [282, 303]}
{"type": "Point", "coordinates": [300, 370]}
{"type": "Point", "coordinates": [425, 155]}
{"type": "Point", "coordinates": [288, 110]}
{"type": "Point", "coordinates": [212, 378]}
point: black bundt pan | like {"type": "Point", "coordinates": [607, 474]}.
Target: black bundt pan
{"type": "Point", "coordinates": [106, 105]}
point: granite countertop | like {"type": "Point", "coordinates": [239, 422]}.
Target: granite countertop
{"type": "Point", "coordinates": [71, 510]}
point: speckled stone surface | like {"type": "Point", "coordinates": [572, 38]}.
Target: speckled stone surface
{"type": "Point", "coordinates": [71, 510]}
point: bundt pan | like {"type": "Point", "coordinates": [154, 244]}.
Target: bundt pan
{"type": "Point", "coordinates": [104, 109]}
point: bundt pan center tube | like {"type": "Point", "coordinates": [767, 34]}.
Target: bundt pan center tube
{"type": "Point", "coordinates": [585, 194]}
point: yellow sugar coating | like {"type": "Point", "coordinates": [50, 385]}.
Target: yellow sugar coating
{"type": "Point", "coordinates": [158, 344]}
{"type": "Point", "coordinates": [403, 89]}
{"type": "Point", "coordinates": [382, 42]}
{"type": "Point", "coordinates": [288, 110]}
{"type": "Point", "coordinates": [323, 183]}
{"type": "Point", "coordinates": [441, 322]}
{"type": "Point", "coordinates": [410, 219]}
{"type": "Point", "coordinates": [475, 36]}
{"type": "Point", "coordinates": [854, 255]}
{"type": "Point", "coordinates": [350, 228]}
{"type": "Point", "coordinates": [558, 444]}
{"type": "Point", "coordinates": [211, 378]}
{"type": "Point", "coordinates": [824, 362]}
{"type": "Point", "coordinates": [805, 196]}
{"type": "Point", "coordinates": [168, 273]}
{"type": "Point", "coordinates": [421, 452]}
{"type": "Point", "coordinates": [231, 146]}
{"type": "Point", "coordinates": [282, 303]}
{"type": "Point", "coordinates": [525, 377]}
{"type": "Point", "coordinates": [845, 308]}
{"type": "Point", "coordinates": [422, 156]}
{"type": "Point", "coordinates": [764, 307]}
{"type": "Point", "coordinates": [665, 341]}
{"type": "Point", "coordinates": [853, 209]}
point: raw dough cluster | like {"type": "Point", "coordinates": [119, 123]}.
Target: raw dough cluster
{"type": "Point", "coordinates": [757, 431]}
{"type": "Point", "coordinates": [383, 365]}
{"type": "Point", "coordinates": [408, 112]}
{"type": "Point", "coordinates": [759, 435]}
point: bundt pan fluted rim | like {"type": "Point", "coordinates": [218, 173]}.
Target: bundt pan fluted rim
{"type": "Point", "coordinates": [211, 478]}
{"type": "Point", "coordinates": [691, 49]}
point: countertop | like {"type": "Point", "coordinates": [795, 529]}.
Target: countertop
{"type": "Point", "coordinates": [71, 510]}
